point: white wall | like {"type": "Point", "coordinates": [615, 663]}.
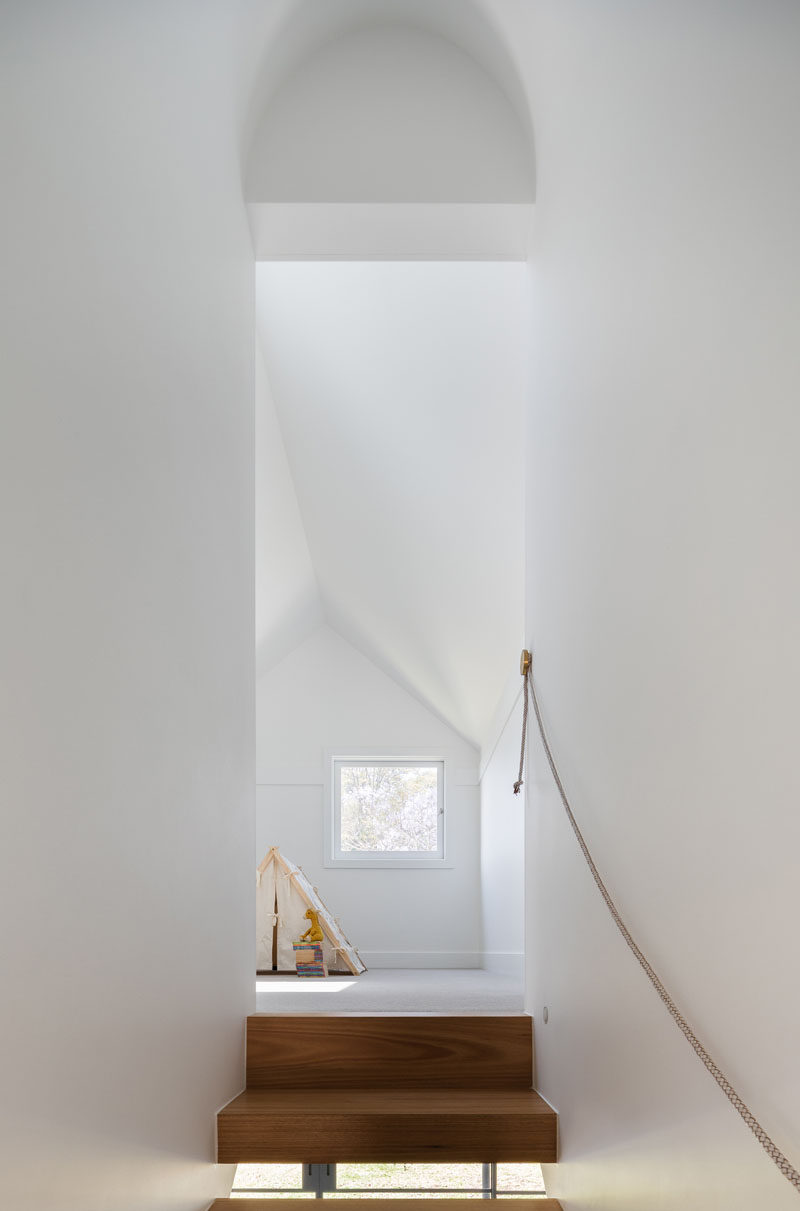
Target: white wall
{"type": "Point", "coordinates": [326, 695]}
{"type": "Point", "coordinates": [503, 853]}
{"type": "Point", "coordinates": [664, 593]}
{"type": "Point", "coordinates": [127, 655]}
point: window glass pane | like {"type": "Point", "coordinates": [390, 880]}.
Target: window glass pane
{"type": "Point", "coordinates": [406, 1177]}
{"type": "Point", "coordinates": [405, 1194]}
{"type": "Point", "coordinates": [268, 1177]}
{"type": "Point", "coordinates": [389, 809]}
{"type": "Point", "coordinates": [519, 1177]}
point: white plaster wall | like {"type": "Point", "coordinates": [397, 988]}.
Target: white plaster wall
{"type": "Point", "coordinates": [126, 531]}
{"type": "Point", "coordinates": [326, 695]}
{"type": "Point", "coordinates": [503, 854]}
{"type": "Point", "coordinates": [663, 591]}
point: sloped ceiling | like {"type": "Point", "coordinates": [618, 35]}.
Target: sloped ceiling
{"type": "Point", "coordinates": [399, 392]}
{"type": "Point", "coordinates": [288, 604]}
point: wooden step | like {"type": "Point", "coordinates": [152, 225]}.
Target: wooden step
{"type": "Point", "coordinates": [352, 1052]}
{"type": "Point", "coordinates": [320, 1125]}
{"type": "Point", "coordinates": [387, 1204]}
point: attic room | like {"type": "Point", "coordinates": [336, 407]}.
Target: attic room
{"type": "Point", "coordinates": [382, 669]}
{"type": "Point", "coordinates": [350, 348]}
{"type": "Point", "coordinates": [391, 373]}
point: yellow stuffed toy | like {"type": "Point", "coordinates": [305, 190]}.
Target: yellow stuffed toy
{"type": "Point", "coordinates": [314, 932]}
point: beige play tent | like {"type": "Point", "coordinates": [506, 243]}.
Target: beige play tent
{"type": "Point", "coordinates": [283, 893]}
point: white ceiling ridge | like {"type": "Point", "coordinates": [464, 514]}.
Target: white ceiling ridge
{"type": "Point", "coordinates": [277, 414]}
{"type": "Point", "coordinates": [288, 598]}
{"type": "Point", "coordinates": [354, 636]}
{"type": "Point", "coordinates": [288, 635]}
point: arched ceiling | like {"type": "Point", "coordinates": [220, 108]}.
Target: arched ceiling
{"type": "Point", "coordinates": [390, 113]}
{"type": "Point", "coordinates": [307, 25]}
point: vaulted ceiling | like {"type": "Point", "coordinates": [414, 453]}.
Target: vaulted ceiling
{"type": "Point", "coordinates": [399, 391]}
{"type": "Point", "coordinates": [390, 475]}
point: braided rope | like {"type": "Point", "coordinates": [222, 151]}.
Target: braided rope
{"type": "Point", "coordinates": [771, 1148]}
{"type": "Point", "coordinates": [518, 783]}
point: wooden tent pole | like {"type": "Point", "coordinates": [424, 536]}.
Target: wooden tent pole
{"type": "Point", "coordinates": [275, 932]}
{"type": "Point", "coordinates": [309, 903]}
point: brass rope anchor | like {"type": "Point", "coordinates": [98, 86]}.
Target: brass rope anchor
{"type": "Point", "coordinates": [525, 663]}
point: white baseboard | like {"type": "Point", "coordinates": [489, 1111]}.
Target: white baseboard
{"type": "Point", "coordinates": [504, 963]}
{"type": "Point", "coordinates": [425, 959]}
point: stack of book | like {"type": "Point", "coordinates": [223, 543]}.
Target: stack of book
{"type": "Point", "coordinates": [308, 959]}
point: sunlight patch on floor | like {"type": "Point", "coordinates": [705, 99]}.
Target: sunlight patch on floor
{"type": "Point", "coordinates": [271, 984]}
{"type": "Point", "coordinates": [394, 990]}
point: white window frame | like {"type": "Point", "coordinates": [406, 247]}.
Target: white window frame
{"type": "Point", "coordinates": [381, 860]}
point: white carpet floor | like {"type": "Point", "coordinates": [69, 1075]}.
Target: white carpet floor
{"type": "Point", "coordinates": [392, 991]}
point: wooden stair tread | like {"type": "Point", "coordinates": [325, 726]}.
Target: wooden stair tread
{"type": "Point", "coordinates": [307, 1051]}
{"type": "Point", "coordinates": [325, 1125]}
{"type": "Point", "coordinates": [392, 1204]}
{"type": "Point", "coordinates": [389, 1101]}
